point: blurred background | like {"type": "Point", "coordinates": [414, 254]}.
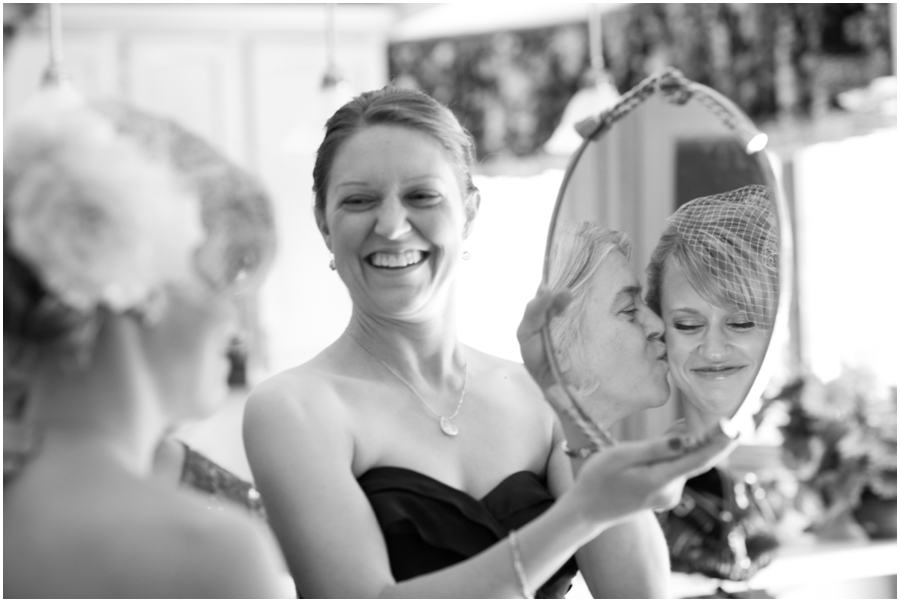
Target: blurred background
{"type": "Point", "coordinates": [259, 80]}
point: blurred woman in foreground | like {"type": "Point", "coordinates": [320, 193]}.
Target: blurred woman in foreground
{"type": "Point", "coordinates": [118, 311]}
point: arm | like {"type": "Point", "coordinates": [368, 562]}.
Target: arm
{"type": "Point", "coordinates": [301, 453]}
{"type": "Point", "coordinates": [628, 560]}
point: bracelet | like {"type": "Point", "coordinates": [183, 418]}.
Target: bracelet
{"type": "Point", "coordinates": [519, 568]}
{"type": "Point", "coordinates": [582, 452]}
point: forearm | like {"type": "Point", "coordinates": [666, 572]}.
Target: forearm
{"type": "Point", "coordinates": [629, 560]}
{"type": "Point", "coordinates": [545, 544]}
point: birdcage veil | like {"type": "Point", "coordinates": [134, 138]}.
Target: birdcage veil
{"type": "Point", "coordinates": [734, 236]}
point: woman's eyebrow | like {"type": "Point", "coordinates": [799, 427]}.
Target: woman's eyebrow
{"type": "Point", "coordinates": [627, 293]}
{"type": "Point", "coordinates": [687, 310]}
{"type": "Point", "coordinates": [351, 183]}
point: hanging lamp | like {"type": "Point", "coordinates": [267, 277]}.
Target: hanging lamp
{"type": "Point", "coordinates": [334, 91]}
{"type": "Point", "coordinates": [55, 74]}
{"type": "Point", "coordinates": [599, 95]}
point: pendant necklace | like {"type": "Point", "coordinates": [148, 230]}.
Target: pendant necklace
{"type": "Point", "coordinates": [447, 426]}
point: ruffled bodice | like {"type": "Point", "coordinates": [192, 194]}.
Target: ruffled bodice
{"type": "Point", "coordinates": [429, 525]}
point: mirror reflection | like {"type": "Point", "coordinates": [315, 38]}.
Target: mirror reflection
{"type": "Point", "coordinates": [671, 190]}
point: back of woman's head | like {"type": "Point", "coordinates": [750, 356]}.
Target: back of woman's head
{"type": "Point", "coordinates": [397, 107]}
{"type": "Point", "coordinates": [97, 218]}
{"type": "Point", "coordinates": [578, 251]}
{"type": "Point", "coordinates": [727, 246]}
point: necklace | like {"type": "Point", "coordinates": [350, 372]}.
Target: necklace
{"type": "Point", "coordinates": [447, 426]}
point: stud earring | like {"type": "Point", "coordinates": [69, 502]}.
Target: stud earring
{"type": "Point", "coordinates": [331, 264]}
{"type": "Point", "coordinates": [466, 255]}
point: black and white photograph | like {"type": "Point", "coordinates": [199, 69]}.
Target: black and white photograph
{"type": "Point", "coordinates": [450, 300]}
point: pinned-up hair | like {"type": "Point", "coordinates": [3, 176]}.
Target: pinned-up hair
{"type": "Point", "coordinates": [727, 245]}
{"type": "Point", "coordinates": [396, 106]}
{"type": "Point", "coordinates": [104, 204]}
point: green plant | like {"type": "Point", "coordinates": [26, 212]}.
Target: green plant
{"type": "Point", "coordinates": [840, 439]}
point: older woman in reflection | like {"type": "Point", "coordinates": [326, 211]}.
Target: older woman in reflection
{"type": "Point", "coordinates": [714, 280]}
{"type": "Point", "coordinates": [591, 261]}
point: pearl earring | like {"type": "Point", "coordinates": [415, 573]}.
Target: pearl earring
{"type": "Point", "coordinates": [466, 255]}
{"type": "Point", "coordinates": [331, 264]}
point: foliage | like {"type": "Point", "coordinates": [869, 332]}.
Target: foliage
{"type": "Point", "coordinates": [510, 88]}
{"type": "Point", "coordinates": [840, 437]}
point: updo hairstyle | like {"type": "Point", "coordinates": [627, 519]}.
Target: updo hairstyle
{"type": "Point", "coordinates": [85, 158]}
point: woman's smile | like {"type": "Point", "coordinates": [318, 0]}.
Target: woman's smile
{"type": "Point", "coordinates": [714, 352]}
{"type": "Point", "coordinates": [395, 220]}
{"type": "Point", "coordinates": [717, 372]}
{"type": "Point", "coordinates": [397, 260]}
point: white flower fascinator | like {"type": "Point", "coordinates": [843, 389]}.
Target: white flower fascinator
{"type": "Point", "coordinates": [98, 221]}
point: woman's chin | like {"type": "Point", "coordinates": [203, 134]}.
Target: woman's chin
{"type": "Point", "coordinates": [717, 404]}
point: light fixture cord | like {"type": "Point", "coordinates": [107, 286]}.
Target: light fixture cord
{"type": "Point", "coordinates": [595, 38]}
{"type": "Point", "coordinates": [54, 74]}
{"type": "Point", "coordinates": [331, 77]}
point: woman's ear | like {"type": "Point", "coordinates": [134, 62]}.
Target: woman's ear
{"type": "Point", "coordinates": [473, 204]}
{"type": "Point", "coordinates": [323, 227]}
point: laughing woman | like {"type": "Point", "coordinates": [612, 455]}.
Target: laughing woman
{"type": "Point", "coordinates": [400, 462]}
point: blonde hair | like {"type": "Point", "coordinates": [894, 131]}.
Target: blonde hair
{"type": "Point", "coordinates": [727, 246]}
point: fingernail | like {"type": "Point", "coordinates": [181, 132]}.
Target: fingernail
{"type": "Point", "coordinates": [728, 429]}
{"type": "Point", "coordinates": [682, 442]}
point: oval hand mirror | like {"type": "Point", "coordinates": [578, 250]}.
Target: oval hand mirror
{"type": "Point", "coordinates": [683, 173]}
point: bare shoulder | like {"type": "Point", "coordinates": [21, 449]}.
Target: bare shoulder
{"type": "Point", "coordinates": [136, 539]}
{"type": "Point", "coordinates": [210, 554]}
{"type": "Point", "coordinates": [296, 417]}
{"type": "Point", "coordinates": [306, 396]}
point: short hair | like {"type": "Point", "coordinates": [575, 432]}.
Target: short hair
{"type": "Point", "coordinates": [577, 252]}
{"type": "Point", "coordinates": [399, 107]}
{"type": "Point", "coordinates": [727, 245]}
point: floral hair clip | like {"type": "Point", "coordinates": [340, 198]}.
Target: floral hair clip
{"type": "Point", "coordinates": [98, 221]}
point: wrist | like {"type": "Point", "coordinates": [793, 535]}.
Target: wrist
{"type": "Point", "coordinates": [580, 506]}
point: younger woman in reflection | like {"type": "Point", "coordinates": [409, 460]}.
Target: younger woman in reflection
{"type": "Point", "coordinates": [713, 278]}
{"type": "Point", "coordinates": [118, 309]}
{"type": "Point", "coordinates": [400, 462]}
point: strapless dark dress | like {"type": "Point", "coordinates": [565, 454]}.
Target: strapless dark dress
{"type": "Point", "coordinates": [429, 525]}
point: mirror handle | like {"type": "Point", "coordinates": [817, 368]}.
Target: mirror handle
{"type": "Point", "coordinates": [564, 401]}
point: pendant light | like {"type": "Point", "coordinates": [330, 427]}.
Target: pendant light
{"type": "Point", "coordinates": [55, 74]}
{"type": "Point", "coordinates": [599, 95]}
{"type": "Point", "coordinates": [333, 93]}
